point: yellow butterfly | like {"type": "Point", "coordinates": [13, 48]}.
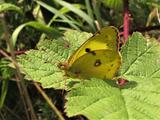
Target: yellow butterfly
{"type": "Point", "coordinates": [98, 57]}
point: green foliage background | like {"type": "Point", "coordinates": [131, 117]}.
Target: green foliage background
{"type": "Point", "coordinates": [45, 30]}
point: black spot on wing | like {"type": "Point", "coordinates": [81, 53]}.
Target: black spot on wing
{"type": "Point", "coordinates": [111, 65]}
{"type": "Point", "coordinates": [97, 63]}
{"type": "Point", "coordinates": [88, 50]}
{"type": "Point", "coordinates": [93, 52]}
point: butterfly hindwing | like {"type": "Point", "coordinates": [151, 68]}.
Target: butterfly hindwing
{"type": "Point", "coordinates": [100, 63]}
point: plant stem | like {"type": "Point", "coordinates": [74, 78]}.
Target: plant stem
{"type": "Point", "coordinates": [15, 52]}
{"type": "Point", "coordinates": [12, 113]}
{"type": "Point", "coordinates": [23, 89]}
{"type": "Point", "coordinates": [1, 116]}
{"type": "Point", "coordinates": [49, 101]}
{"type": "Point", "coordinates": [126, 19]}
{"type": "Point", "coordinates": [38, 88]}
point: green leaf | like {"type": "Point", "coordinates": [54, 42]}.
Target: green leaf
{"type": "Point", "coordinates": [97, 100]}
{"type": "Point", "coordinates": [56, 12]}
{"type": "Point", "coordinates": [116, 4]}
{"type": "Point", "coordinates": [97, 12]}
{"type": "Point", "coordinates": [38, 15]}
{"type": "Point", "coordinates": [42, 65]}
{"type": "Point", "coordinates": [65, 10]}
{"type": "Point", "coordinates": [10, 7]}
{"type": "Point", "coordinates": [1, 29]}
{"type": "Point", "coordinates": [89, 8]}
{"type": "Point", "coordinates": [4, 90]}
{"type": "Point", "coordinates": [138, 99]}
{"type": "Point", "coordinates": [41, 27]}
{"type": "Point", "coordinates": [5, 73]}
{"type": "Point", "coordinates": [140, 59]}
{"type": "Point", "coordinates": [77, 11]}
{"type": "Point", "coordinates": [76, 39]}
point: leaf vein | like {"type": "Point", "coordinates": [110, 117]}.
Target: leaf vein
{"type": "Point", "coordinates": [143, 53]}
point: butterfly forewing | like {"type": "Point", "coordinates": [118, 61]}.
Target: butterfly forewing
{"type": "Point", "coordinates": [106, 38]}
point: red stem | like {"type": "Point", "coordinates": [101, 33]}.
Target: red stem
{"type": "Point", "coordinates": [126, 20]}
{"type": "Point", "coordinates": [16, 53]}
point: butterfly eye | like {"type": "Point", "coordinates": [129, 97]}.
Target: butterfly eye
{"type": "Point", "coordinates": [97, 63]}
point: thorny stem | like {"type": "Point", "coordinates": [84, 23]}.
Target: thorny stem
{"type": "Point", "coordinates": [126, 19]}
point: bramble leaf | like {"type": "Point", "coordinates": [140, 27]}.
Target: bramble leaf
{"type": "Point", "coordinates": [97, 99]}
{"type": "Point", "coordinates": [139, 99]}
{"type": "Point", "coordinates": [43, 65]}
